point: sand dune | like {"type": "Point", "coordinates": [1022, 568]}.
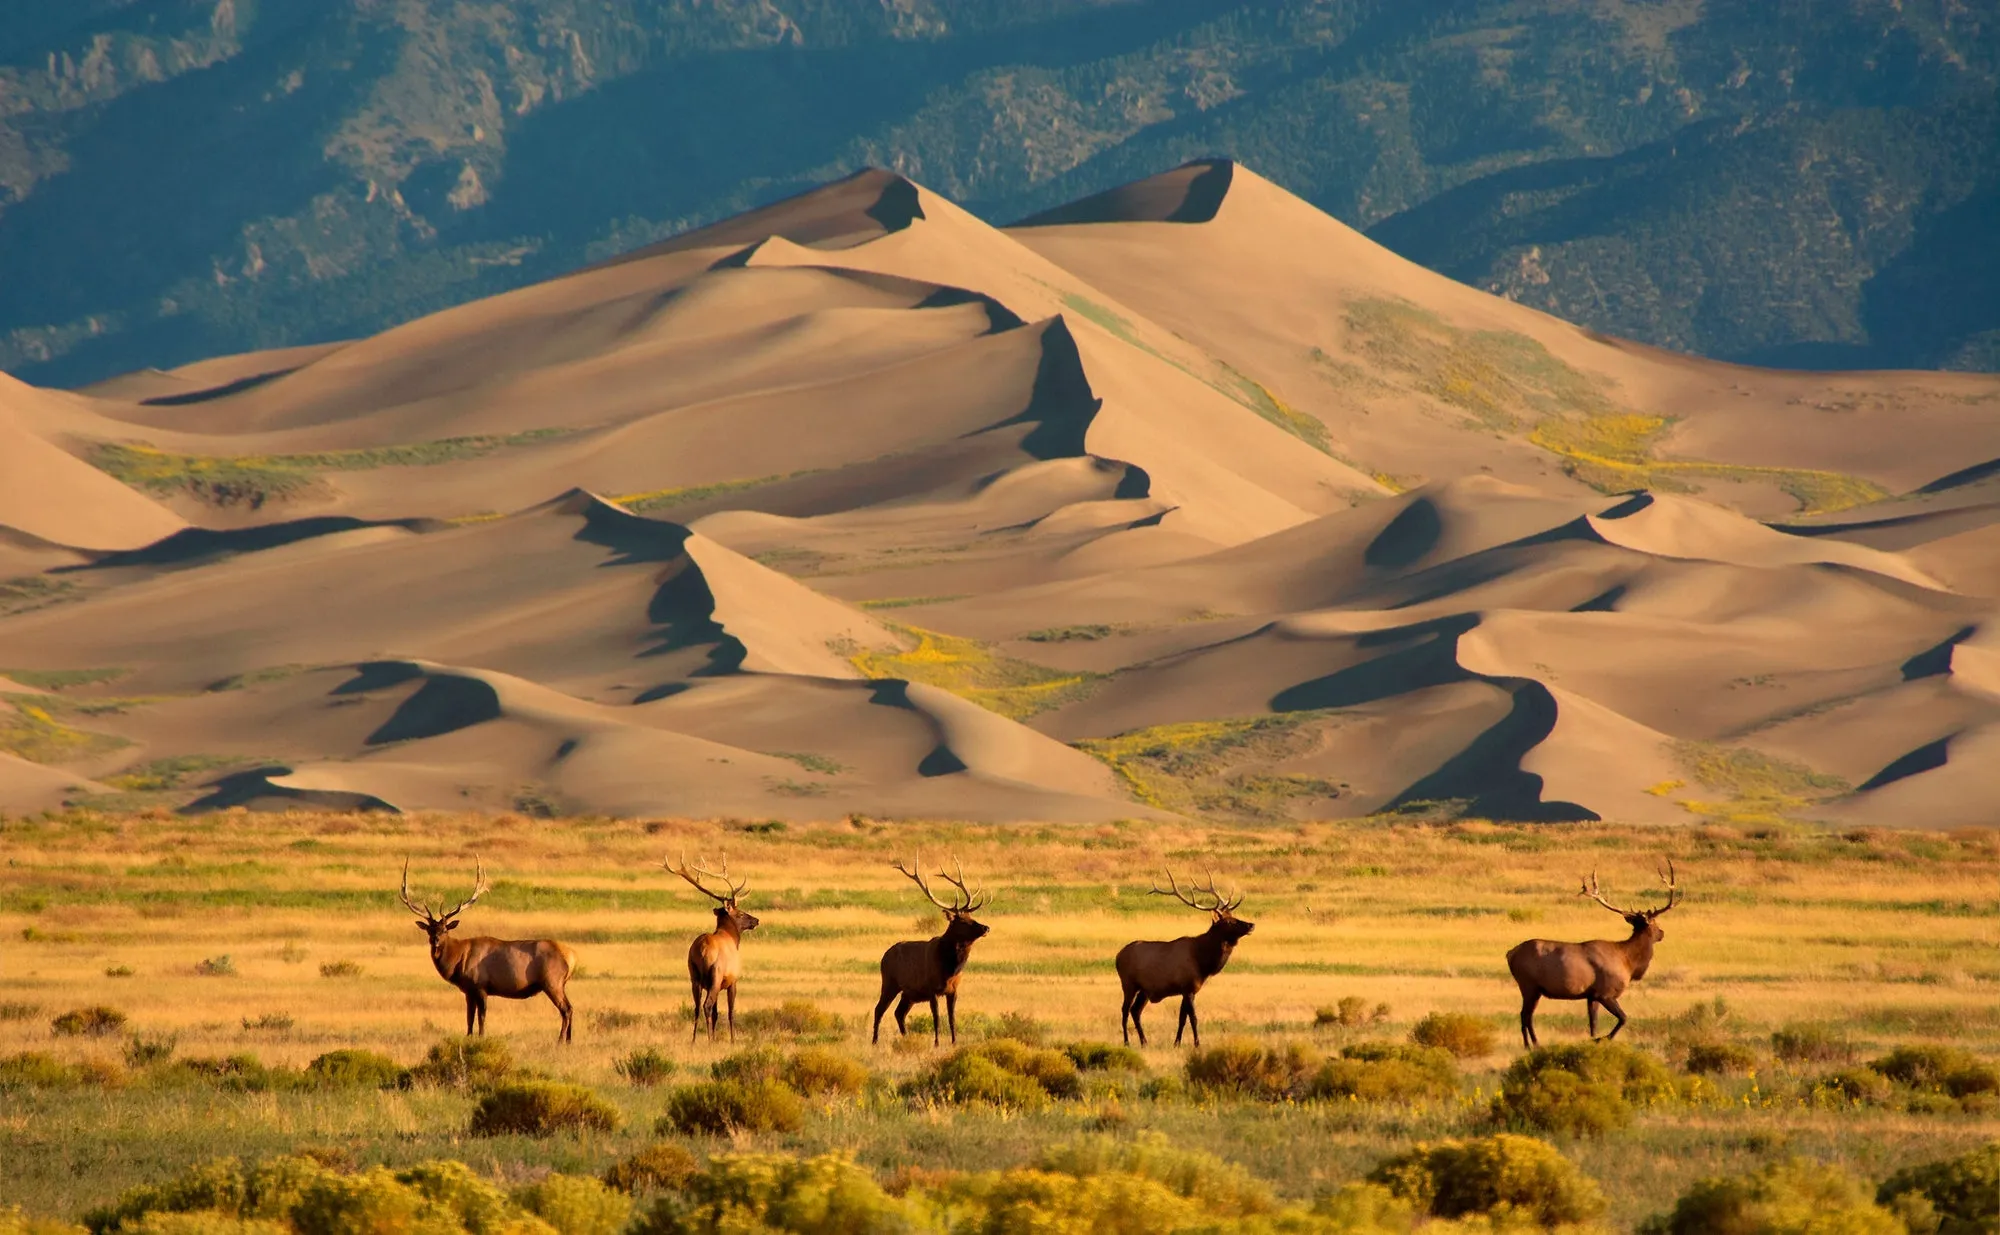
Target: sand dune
{"type": "Point", "coordinates": [1181, 499]}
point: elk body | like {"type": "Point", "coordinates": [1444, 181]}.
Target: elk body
{"type": "Point", "coordinates": [715, 960]}
{"type": "Point", "coordinates": [923, 969]}
{"type": "Point", "coordinates": [484, 966]}
{"type": "Point", "coordinates": [1155, 971]}
{"type": "Point", "coordinates": [1598, 971]}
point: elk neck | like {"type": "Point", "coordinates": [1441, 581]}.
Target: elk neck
{"type": "Point", "coordinates": [952, 954]}
{"type": "Point", "coordinates": [1212, 949]}
{"type": "Point", "coordinates": [1638, 951]}
{"type": "Point", "coordinates": [449, 957]}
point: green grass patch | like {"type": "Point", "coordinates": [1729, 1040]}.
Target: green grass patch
{"type": "Point", "coordinates": [1215, 766]}
{"type": "Point", "coordinates": [1069, 634]}
{"type": "Point", "coordinates": [257, 677]}
{"type": "Point", "coordinates": [63, 679]}
{"type": "Point", "coordinates": [160, 775]}
{"type": "Point", "coordinates": [253, 480]}
{"type": "Point", "coordinates": [906, 602]}
{"type": "Point", "coordinates": [811, 762]}
{"type": "Point", "coordinates": [970, 669]}
{"type": "Point", "coordinates": [28, 731]}
{"type": "Point", "coordinates": [25, 593]}
{"type": "Point", "coordinates": [1757, 788]}
{"type": "Point", "coordinates": [663, 499]}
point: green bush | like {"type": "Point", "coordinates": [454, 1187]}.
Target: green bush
{"type": "Point", "coordinates": [15, 1222]}
{"type": "Point", "coordinates": [542, 1108]}
{"type": "Point", "coordinates": [818, 1072]}
{"type": "Point", "coordinates": [1811, 1043]}
{"type": "Point", "coordinates": [759, 1063]}
{"type": "Point", "coordinates": [1104, 1057]}
{"type": "Point", "coordinates": [1050, 1069]}
{"type": "Point", "coordinates": [576, 1205]}
{"type": "Point", "coordinates": [796, 1018]}
{"type": "Point", "coordinates": [356, 1068]}
{"type": "Point", "coordinates": [274, 1187]}
{"type": "Point", "coordinates": [1020, 1027]}
{"type": "Point", "coordinates": [1241, 1066]}
{"type": "Point", "coordinates": [1366, 1209]}
{"type": "Point", "coordinates": [463, 1063]}
{"type": "Point", "coordinates": [1223, 1189]}
{"type": "Point", "coordinates": [1721, 1059]}
{"type": "Point", "coordinates": [1639, 1077]}
{"type": "Point", "coordinates": [1784, 1198]}
{"type": "Point", "coordinates": [1562, 1103]}
{"type": "Point", "coordinates": [33, 1070]}
{"type": "Point", "coordinates": [1464, 1035]}
{"type": "Point", "coordinates": [645, 1068]}
{"type": "Point", "coordinates": [1956, 1196]}
{"type": "Point", "coordinates": [1386, 1072]}
{"type": "Point", "coordinates": [723, 1108]}
{"type": "Point", "coordinates": [1951, 1070]}
{"type": "Point", "coordinates": [216, 1185]}
{"type": "Point", "coordinates": [967, 1078]}
{"type": "Point", "coordinates": [93, 1022]}
{"type": "Point", "coordinates": [1852, 1087]}
{"type": "Point", "coordinates": [771, 1192]}
{"type": "Point", "coordinates": [202, 1222]}
{"type": "Point", "coordinates": [659, 1167]}
{"type": "Point", "coordinates": [238, 1073]}
{"type": "Point", "coordinates": [143, 1052]}
{"type": "Point", "coordinates": [1350, 1012]}
{"type": "Point", "coordinates": [373, 1201]}
{"type": "Point", "coordinates": [455, 1195]}
{"type": "Point", "coordinates": [1507, 1175]}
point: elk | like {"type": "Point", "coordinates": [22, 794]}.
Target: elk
{"type": "Point", "coordinates": [715, 960]}
{"type": "Point", "coordinates": [1598, 971]}
{"type": "Point", "coordinates": [483, 966]}
{"type": "Point", "coordinates": [926, 968]}
{"type": "Point", "coordinates": [1152, 971]}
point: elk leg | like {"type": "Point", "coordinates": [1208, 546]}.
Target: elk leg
{"type": "Point", "coordinates": [714, 1013]}
{"type": "Point", "coordinates": [471, 1011]}
{"type": "Point", "coordinates": [1194, 1022]}
{"type": "Point", "coordinates": [1528, 1001]}
{"type": "Point", "coordinates": [1180, 1026]}
{"type": "Point", "coordinates": [951, 1013]}
{"type": "Point", "coordinates": [1138, 1009]}
{"type": "Point", "coordinates": [881, 1006]}
{"type": "Point", "coordinates": [732, 1016]}
{"type": "Point", "coordinates": [903, 1006]}
{"type": "Point", "coordinates": [937, 1028]}
{"type": "Point", "coordinates": [561, 1000]}
{"type": "Point", "coordinates": [696, 1035]}
{"type": "Point", "coordinates": [1590, 1011]}
{"type": "Point", "coordinates": [1125, 1016]}
{"type": "Point", "coordinates": [1611, 1006]}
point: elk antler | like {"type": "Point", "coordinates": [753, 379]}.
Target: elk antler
{"type": "Point", "coordinates": [1672, 881]}
{"type": "Point", "coordinates": [479, 888]}
{"type": "Point", "coordinates": [1216, 902]}
{"type": "Point", "coordinates": [968, 901]}
{"type": "Point", "coordinates": [701, 871]}
{"type": "Point", "coordinates": [1667, 877]}
{"type": "Point", "coordinates": [914, 872]}
{"type": "Point", "coordinates": [1590, 890]}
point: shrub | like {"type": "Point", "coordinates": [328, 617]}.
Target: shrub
{"type": "Point", "coordinates": [1951, 1197]}
{"type": "Point", "coordinates": [1037, 1201]}
{"type": "Point", "coordinates": [19, 1011]}
{"type": "Point", "coordinates": [721, 1108]}
{"type": "Point", "coordinates": [1386, 1072]}
{"type": "Point", "coordinates": [611, 1020]}
{"type": "Point", "coordinates": [770, 1192]}
{"type": "Point", "coordinates": [659, 1167]}
{"type": "Point", "coordinates": [202, 1222]}
{"type": "Point", "coordinates": [759, 1063]}
{"type": "Point", "coordinates": [119, 971]}
{"type": "Point", "coordinates": [1784, 1198]}
{"type": "Point", "coordinates": [576, 1205]}
{"type": "Point", "coordinates": [1951, 1070]}
{"type": "Point", "coordinates": [817, 1072]}
{"type": "Point", "coordinates": [1019, 1026]}
{"type": "Point", "coordinates": [95, 1022]}
{"type": "Point", "coordinates": [967, 1078]}
{"type": "Point", "coordinates": [542, 1108]}
{"type": "Point", "coordinates": [239, 1073]}
{"type": "Point", "coordinates": [1104, 1057]}
{"type": "Point", "coordinates": [216, 1185]}
{"type": "Point", "coordinates": [1223, 1189]}
{"type": "Point", "coordinates": [1510, 1174]}
{"type": "Point", "coordinates": [1464, 1035]}
{"type": "Point", "coordinates": [1366, 1209]}
{"type": "Point", "coordinates": [274, 1187]}
{"type": "Point", "coordinates": [34, 1070]}
{"type": "Point", "coordinates": [14, 1222]}
{"type": "Point", "coordinates": [339, 969]}
{"type": "Point", "coordinates": [455, 1192]}
{"type": "Point", "coordinates": [374, 1200]}
{"type": "Point", "coordinates": [463, 1063]}
{"type": "Point", "coordinates": [143, 1052]}
{"type": "Point", "coordinates": [1852, 1087]}
{"type": "Point", "coordinates": [1562, 1103]}
{"type": "Point", "coordinates": [216, 967]}
{"type": "Point", "coordinates": [1720, 1059]}
{"type": "Point", "coordinates": [358, 1068]}
{"type": "Point", "coordinates": [269, 1020]}
{"type": "Point", "coordinates": [798, 1018]}
{"type": "Point", "coordinates": [1811, 1043]}
{"type": "Point", "coordinates": [1241, 1066]}
{"type": "Point", "coordinates": [1052, 1070]}
{"type": "Point", "coordinates": [645, 1068]}
{"type": "Point", "coordinates": [1350, 1012]}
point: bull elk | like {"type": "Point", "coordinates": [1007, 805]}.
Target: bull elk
{"type": "Point", "coordinates": [484, 966]}
{"type": "Point", "coordinates": [926, 968]}
{"type": "Point", "coordinates": [1598, 971]}
{"type": "Point", "coordinates": [715, 960]}
{"type": "Point", "coordinates": [1155, 971]}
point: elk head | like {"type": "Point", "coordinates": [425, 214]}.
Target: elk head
{"type": "Point", "coordinates": [436, 925]}
{"type": "Point", "coordinates": [728, 917]}
{"type": "Point", "coordinates": [1203, 898]}
{"type": "Point", "coordinates": [1642, 921]}
{"type": "Point", "coordinates": [959, 928]}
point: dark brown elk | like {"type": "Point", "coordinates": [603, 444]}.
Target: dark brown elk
{"type": "Point", "coordinates": [923, 969]}
{"type": "Point", "coordinates": [715, 960]}
{"type": "Point", "coordinates": [1155, 971]}
{"type": "Point", "coordinates": [485, 966]}
{"type": "Point", "coordinates": [1598, 971]}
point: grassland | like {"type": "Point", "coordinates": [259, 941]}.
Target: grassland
{"type": "Point", "coordinates": [254, 480]}
{"type": "Point", "coordinates": [1875, 939]}
{"type": "Point", "coordinates": [1013, 687]}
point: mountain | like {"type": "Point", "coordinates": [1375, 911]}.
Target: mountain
{"type": "Point", "coordinates": [1184, 498]}
{"type": "Point", "coordinates": [1808, 183]}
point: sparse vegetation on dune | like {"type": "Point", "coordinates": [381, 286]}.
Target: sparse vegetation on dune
{"type": "Point", "coordinates": [1014, 688]}
{"type": "Point", "coordinates": [1863, 953]}
{"type": "Point", "coordinates": [255, 480]}
{"type": "Point", "coordinates": [1200, 766]}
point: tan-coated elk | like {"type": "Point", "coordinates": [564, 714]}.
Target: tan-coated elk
{"type": "Point", "coordinates": [715, 960]}
{"type": "Point", "coordinates": [1155, 971]}
{"type": "Point", "coordinates": [1598, 971]}
{"type": "Point", "coordinates": [484, 966]}
{"type": "Point", "coordinates": [923, 969]}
